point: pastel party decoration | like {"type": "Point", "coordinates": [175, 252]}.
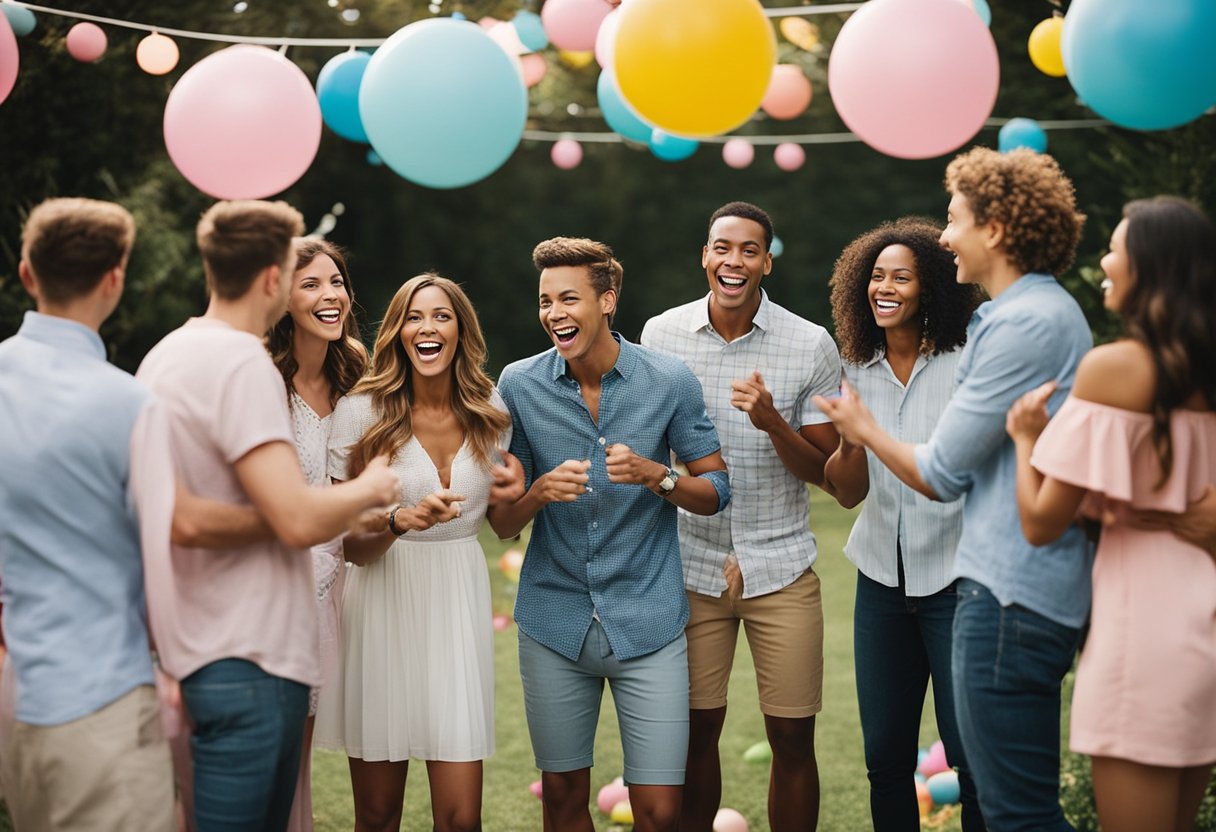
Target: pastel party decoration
{"type": "Point", "coordinates": [671, 148]}
{"type": "Point", "coordinates": [622, 813]}
{"type": "Point", "coordinates": [10, 58]}
{"type": "Point", "coordinates": [729, 820]}
{"type": "Point", "coordinates": [1022, 132]}
{"type": "Point", "coordinates": [86, 42]}
{"type": "Point", "coordinates": [924, 800]}
{"type": "Point", "coordinates": [943, 787]}
{"type": "Point", "coordinates": [777, 247]}
{"type": "Point", "coordinates": [1044, 46]}
{"type": "Point", "coordinates": [605, 39]}
{"type": "Point", "coordinates": [611, 794]}
{"type": "Point", "coordinates": [738, 153]}
{"type": "Point", "coordinates": [537, 789]}
{"type": "Point", "coordinates": [510, 563]}
{"type": "Point", "coordinates": [530, 29]}
{"type": "Point", "coordinates": [338, 85]}
{"type": "Point", "coordinates": [157, 54]}
{"type": "Point", "coordinates": [934, 761]}
{"type": "Point", "coordinates": [573, 24]}
{"type": "Point", "coordinates": [534, 68]}
{"type": "Point", "coordinates": [788, 94]}
{"type": "Point", "coordinates": [20, 18]}
{"type": "Point", "coordinates": [566, 154]}
{"type": "Point", "coordinates": [789, 156]}
{"type": "Point", "coordinates": [617, 114]}
{"type": "Point", "coordinates": [760, 752]}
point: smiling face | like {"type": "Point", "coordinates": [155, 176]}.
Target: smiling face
{"type": "Point", "coordinates": [967, 241]}
{"type": "Point", "coordinates": [431, 331]}
{"type": "Point", "coordinates": [1118, 269]}
{"type": "Point", "coordinates": [894, 289]}
{"type": "Point", "coordinates": [571, 312]}
{"type": "Point", "coordinates": [319, 301]}
{"type": "Point", "coordinates": [735, 260]}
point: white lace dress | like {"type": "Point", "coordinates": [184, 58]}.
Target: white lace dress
{"type": "Point", "coordinates": [417, 665]}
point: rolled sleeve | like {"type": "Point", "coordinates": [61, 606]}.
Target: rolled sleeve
{"type": "Point", "coordinates": [824, 382]}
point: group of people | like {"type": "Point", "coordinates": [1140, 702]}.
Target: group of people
{"type": "Point", "coordinates": [280, 531]}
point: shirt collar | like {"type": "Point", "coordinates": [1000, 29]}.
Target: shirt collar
{"type": "Point", "coordinates": [881, 353]}
{"type": "Point", "coordinates": [1022, 285]}
{"type": "Point", "coordinates": [626, 359]}
{"type": "Point", "coordinates": [62, 333]}
{"type": "Point", "coordinates": [699, 319]}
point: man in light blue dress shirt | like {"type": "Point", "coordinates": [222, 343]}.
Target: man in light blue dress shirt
{"type": "Point", "coordinates": [1012, 224]}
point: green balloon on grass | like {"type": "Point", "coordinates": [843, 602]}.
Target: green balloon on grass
{"type": "Point", "coordinates": [761, 752]}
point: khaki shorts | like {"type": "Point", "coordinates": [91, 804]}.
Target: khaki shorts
{"type": "Point", "coordinates": [785, 632]}
{"type": "Point", "coordinates": [108, 770]}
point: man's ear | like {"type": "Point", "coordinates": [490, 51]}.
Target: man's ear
{"type": "Point", "coordinates": [608, 302]}
{"type": "Point", "coordinates": [704, 256]}
{"type": "Point", "coordinates": [994, 234]}
{"type": "Point", "coordinates": [768, 262]}
{"type": "Point", "coordinates": [270, 277]}
{"type": "Point", "coordinates": [27, 279]}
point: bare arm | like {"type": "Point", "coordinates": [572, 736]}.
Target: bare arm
{"type": "Point", "coordinates": [1196, 525]}
{"type": "Point", "coordinates": [1047, 506]}
{"type": "Point", "coordinates": [563, 484]}
{"type": "Point", "coordinates": [804, 451]}
{"type": "Point", "coordinates": [508, 489]}
{"type": "Point", "coordinates": [206, 524]}
{"type": "Point", "coordinates": [846, 476]}
{"type": "Point", "coordinates": [370, 545]}
{"type": "Point", "coordinates": [694, 493]}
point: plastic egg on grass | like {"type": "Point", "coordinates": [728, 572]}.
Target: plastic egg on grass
{"type": "Point", "coordinates": [761, 752]}
{"type": "Point", "coordinates": [622, 813]}
{"type": "Point", "coordinates": [729, 820]}
{"type": "Point", "coordinates": [510, 563]}
{"type": "Point", "coordinates": [612, 794]}
{"type": "Point", "coordinates": [500, 623]}
{"type": "Point", "coordinates": [924, 800]}
{"type": "Point", "coordinates": [934, 761]}
{"type": "Point", "coordinates": [536, 789]}
{"type": "Point", "coordinates": [943, 787]}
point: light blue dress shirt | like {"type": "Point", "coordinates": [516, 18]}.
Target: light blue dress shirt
{"type": "Point", "coordinates": [74, 618]}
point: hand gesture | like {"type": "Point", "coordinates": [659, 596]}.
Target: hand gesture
{"type": "Point", "coordinates": [383, 485]}
{"type": "Point", "coordinates": [564, 483]}
{"type": "Point", "coordinates": [508, 484]}
{"type": "Point", "coordinates": [624, 466]}
{"type": "Point", "coordinates": [1028, 416]}
{"type": "Point", "coordinates": [753, 398]}
{"type": "Point", "coordinates": [848, 412]}
{"type": "Point", "coordinates": [372, 521]}
{"type": "Point", "coordinates": [431, 510]}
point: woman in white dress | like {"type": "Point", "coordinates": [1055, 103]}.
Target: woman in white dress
{"type": "Point", "coordinates": [417, 678]}
{"type": "Point", "coordinates": [316, 347]}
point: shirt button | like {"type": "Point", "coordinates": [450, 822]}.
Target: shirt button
{"type": "Point", "coordinates": [590, 490]}
{"type": "Point", "coordinates": [601, 440]}
{"type": "Point", "coordinates": [595, 525]}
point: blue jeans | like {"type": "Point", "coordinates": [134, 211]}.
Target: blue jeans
{"type": "Point", "coordinates": [248, 732]}
{"type": "Point", "coordinates": [899, 642]}
{"type": "Point", "coordinates": [1008, 665]}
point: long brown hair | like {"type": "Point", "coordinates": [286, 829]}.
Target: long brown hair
{"type": "Point", "coordinates": [390, 380]}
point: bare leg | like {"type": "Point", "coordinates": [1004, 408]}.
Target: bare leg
{"type": "Point", "coordinates": [655, 808]}
{"type": "Point", "coordinates": [793, 789]}
{"type": "Point", "coordinates": [1133, 797]}
{"type": "Point", "coordinates": [379, 791]}
{"type": "Point", "coordinates": [703, 773]}
{"type": "Point", "coordinates": [455, 795]}
{"type": "Point", "coordinates": [565, 795]}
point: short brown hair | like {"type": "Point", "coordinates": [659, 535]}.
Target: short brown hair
{"type": "Point", "coordinates": [70, 243]}
{"type": "Point", "coordinates": [1030, 196]}
{"type": "Point", "coordinates": [239, 239]}
{"type": "Point", "coordinates": [606, 272]}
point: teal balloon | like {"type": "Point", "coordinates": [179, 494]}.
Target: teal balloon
{"type": "Point", "coordinates": [984, 11]}
{"type": "Point", "coordinates": [530, 30]}
{"type": "Point", "coordinates": [373, 159]}
{"type": "Point", "coordinates": [671, 148]}
{"type": "Point", "coordinates": [442, 103]}
{"type": "Point", "coordinates": [20, 18]}
{"type": "Point", "coordinates": [617, 113]}
{"type": "Point", "coordinates": [944, 788]}
{"type": "Point", "coordinates": [1022, 132]}
{"type": "Point", "coordinates": [338, 92]}
{"type": "Point", "coordinates": [458, 16]}
{"type": "Point", "coordinates": [1148, 66]}
{"type": "Point", "coordinates": [777, 248]}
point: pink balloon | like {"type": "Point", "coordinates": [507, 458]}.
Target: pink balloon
{"type": "Point", "coordinates": [566, 154]}
{"type": "Point", "coordinates": [536, 788]}
{"type": "Point", "coordinates": [243, 123]}
{"type": "Point", "coordinates": [610, 795]}
{"type": "Point", "coordinates": [86, 42]}
{"type": "Point", "coordinates": [506, 36]}
{"type": "Point", "coordinates": [934, 761]}
{"type": "Point", "coordinates": [573, 24]}
{"type": "Point", "coordinates": [789, 156]}
{"type": "Point", "coordinates": [788, 94]}
{"type": "Point", "coordinates": [534, 68]}
{"type": "Point", "coordinates": [738, 153]}
{"type": "Point", "coordinates": [729, 820]}
{"type": "Point", "coordinates": [935, 97]}
{"type": "Point", "coordinates": [9, 58]}
{"type": "Point", "coordinates": [605, 38]}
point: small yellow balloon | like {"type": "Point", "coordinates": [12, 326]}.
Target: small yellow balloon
{"type": "Point", "coordinates": [694, 68]}
{"type": "Point", "coordinates": [622, 813]}
{"type": "Point", "coordinates": [575, 60]}
{"type": "Point", "coordinates": [1044, 47]}
{"type": "Point", "coordinates": [799, 31]}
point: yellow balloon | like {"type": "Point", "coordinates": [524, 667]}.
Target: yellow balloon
{"type": "Point", "coordinates": [622, 813]}
{"type": "Point", "coordinates": [799, 31]}
{"type": "Point", "coordinates": [1044, 47]}
{"type": "Point", "coordinates": [575, 60]}
{"type": "Point", "coordinates": [694, 68]}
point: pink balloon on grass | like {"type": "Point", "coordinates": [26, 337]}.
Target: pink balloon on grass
{"type": "Point", "coordinates": [789, 156]}
{"type": "Point", "coordinates": [729, 820]}
{"type": "Point", "coordinates": [566, 154]}
{"type": "Point", "coordinates": [605, 38]}
{"type": "Point", "coordinates": [610, 795]}
{"type": "Point", "coordinates": [738, 153]}
{"type": "Point", "coordinates": [243, 123]}
{"type": "Point", "coordinates": [86, 42]}
{"type": "Point", "coordinates": [9, 58]}
{"type": "Point", "coordinates": [935, 760]}
{"type": "Point", "coordinates": [788, 94]}
{"type": "Point", "coordinates": [534, 68]}
{"type": "Point", "coordinates": [935, 97]}
{"type": "Point", "coordinates": [573, 24]}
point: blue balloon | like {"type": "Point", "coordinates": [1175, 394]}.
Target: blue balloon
{"type": "Point", "coordinates": [671, 148]}
{"type": "Point", "coordinates": [530, 30]}
{"type": "Point", "coordinates": [442, 103]}
{"type": "Point", "coordinates": [944, 788]}
{"type": "Point", "coordinates": [20, 18]}
{"type": "Point", "coordinates": [777, 248]}
{"type": "Point", "coordinates": [1022, 132]}
{"type": "Point", "coordinates": [1148, 66]}
{"type": "Point", "coordinates": [458, 16]}
{"type": "Point", "coordinates": [338, 92]}
{"type": "Point", "coordinates": [617, 113]}
{"type": "Point", "coordinates": [373, 159]}
{"type": "Point", "coordinates": [984, 11]}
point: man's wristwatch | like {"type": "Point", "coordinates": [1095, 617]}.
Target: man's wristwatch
{"type": "Point", "coordinates": [668, 483]}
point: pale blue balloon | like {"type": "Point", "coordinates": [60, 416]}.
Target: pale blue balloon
{"type": "Point", "coordinates": [338, 92]}
{"type": "Point", "coordinates": [944, 788]}
{"type": "Point", "coordinates": [617, 113]}
{"type": "Point", "coordinates": [1148, 66]}
{"type": "Point", "coordinates": [530, 30]}
{"type": "Point", "coordinates": [20, 18]}
{"type": "Point", "coordinates": [776, 248]}
{"type": "Point", "coordinates": [1022, 132]}
{"type": "Point", "coordinates": [671, 148]}
{"type": "Point", "coordinates": [442, 103]}
{"type": "Point", "coordinates": [373, 159]}
{"type": "Point", "coordinates": [984, 11]}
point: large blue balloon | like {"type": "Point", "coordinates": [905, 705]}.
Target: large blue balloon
{"type": "Point", "coordinates": [442, 103]}
{"type": "Point", "coordinates": [338, 92]}
{"type": "Point", "coordinates": [1149, 66]}
{"type": "Point", "coordinates": [20, 18]}
{"type": "Point", "coordinates": [530, 30]}
{"type": "Point", "coordinates": [1022, 132]}
{"type": "Point", "coordinates": [671, 148]}
{"type": "Point", "coordinates": [617, 113]}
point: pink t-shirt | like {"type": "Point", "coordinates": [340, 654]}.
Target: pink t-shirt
{"type": "Point", "coordinates": [224, 398]}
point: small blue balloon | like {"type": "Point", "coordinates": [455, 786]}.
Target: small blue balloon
{"type": "Point", "coordinates": [338, 93]}
{"type": "Point", "coordinates": [373, 159]}
{"type": "Point", "coordinates": [458, 16]}
{"type": "Point", "coordinates": [671, 148]}
{"type": "Point", "coordinates": [20, 18]}
{"type": "Point", "coordinates": [944, 788]}
{"type": "Point", "coordinates": [617, 113]}
{"type": "Point", "coordinates": [984, 11]}
{"type": "Point", "coordinates": [1022, 132]}
{"type": "Point", "coordinates": [530, 30]}
{"type": "Point", "coordinates": [777, 248]}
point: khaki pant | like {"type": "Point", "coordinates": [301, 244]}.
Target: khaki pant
{"type": "Point", "coordinates": [106, 771]}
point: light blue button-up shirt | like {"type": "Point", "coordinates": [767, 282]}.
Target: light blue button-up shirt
{"type": "Point", "coordinates": [614, 552]}
{"type": "Point", "coordinates": [1033, 332]}
{"type": "Point", "coordinates": [74, 618]}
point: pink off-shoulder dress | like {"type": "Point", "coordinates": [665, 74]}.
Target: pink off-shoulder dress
{"type": "Point", "coordinates": [1146, 680]}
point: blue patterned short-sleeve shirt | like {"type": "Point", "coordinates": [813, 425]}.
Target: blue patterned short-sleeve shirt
{"type": "Point", "coordinates": [614, 552]}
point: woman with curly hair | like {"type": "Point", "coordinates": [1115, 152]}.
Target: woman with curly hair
{"type": "Point", "coordinates": [1139, 431]}
{"type": "Point", "coordinates": [901, 321]}
{"type": "Point", "coordinates": [316, 347]}
{"type": "Point", "coordinates": [417, 677]}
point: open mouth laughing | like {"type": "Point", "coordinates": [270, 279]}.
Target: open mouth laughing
{"type": "Point", "coordinates": [565, 335]}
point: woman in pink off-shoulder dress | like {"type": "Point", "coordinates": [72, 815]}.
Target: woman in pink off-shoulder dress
{"type": "Point", "coordinates": [1139, 432]}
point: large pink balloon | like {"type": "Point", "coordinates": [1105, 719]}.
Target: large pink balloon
{"type": "Point", "coordinates": [605, 38]}
{"type": "Point", "coordinates": [243, 123]}
{"type": "Point", "coordinates": [8, 58]}
{"type": "Point", "coordinates": [935, 96]}
{"type": "Point", "coordinates": [573, 24]}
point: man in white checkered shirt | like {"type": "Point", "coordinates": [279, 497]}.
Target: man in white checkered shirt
{"type": "Point", "coordinates": [759, 365]}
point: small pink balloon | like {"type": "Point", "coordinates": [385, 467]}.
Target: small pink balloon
{"type": "Point", "coordinates": [738, 153]}
{"type": "Point", "coordinates": [243, 123]}
{"type": "Point", "coordinates": [9, 58]}
{"type": "Point", "coordinates": [156, 54]}
{"type": "Point", "coordinates": [573, 24]}
{"type": "Point", "coordinates": [506, 36]}
{"type": "Point", "coordinates": [86, 42]}
{"type": "Point", "coordinates": [729, 820]}
{"type": "Point", "coordinates": [534, 68]}
{"type": "Point", "coordinates": [789, 156]}
{"type": "Point", "coordinates": [535, 788]}
{"type": "Point", "coordinates": [500, 623]}
{"type": "Point", "coordinates": [566, 154]}
{"type": "Point", "coordinates": [934, 761]}
{"type": "Point", "coordinates": [610, 795]}
{"type": "Point", "coordinates": [931, 101]}
{"type": "Point", "coordinates": [488, 22]}
{"type": "Point", "coordinates": [605, 38]}
{"type": "Point", "coordinates": [788, 94]}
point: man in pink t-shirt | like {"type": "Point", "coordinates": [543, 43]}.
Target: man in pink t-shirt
{"type": "Point", "coordinates": [238, 625]}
